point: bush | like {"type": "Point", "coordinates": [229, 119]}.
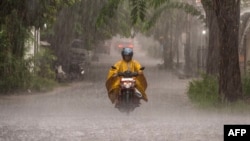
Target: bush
{"type": "Point", "coordinates": [204, 92]}
{"type": "Point", "coordinates": [20, 74]}
{"type": "Point", "coordinates": [43, 64]}
{"type": "Point", "coordinates": [15, 75]}
{"type": "Point", "coordinates": [41, 84]}
{"type": "Point", "coordinates": [246, 85]}
{"type": "Point", "coordinates": [43, 78]}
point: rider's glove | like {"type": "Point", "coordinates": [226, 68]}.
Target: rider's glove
{"type": "Point", "coordinates": [115, 75]}
{"type": "Point", "coordinates": [135, 73]}
{"type": "Point", "coordinates": [120, 74]}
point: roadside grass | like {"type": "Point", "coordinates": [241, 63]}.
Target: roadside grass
{"type": "Point", "coordinates": [41, 84]}
{"type": "Point", "coordinates": [32, 84]}
{"type": "Point", "coordinates": [246, 85]}
{"type": "Point", "coordinates": [33, 74]}
{"type": "Point", "coordinates": [203, 93]}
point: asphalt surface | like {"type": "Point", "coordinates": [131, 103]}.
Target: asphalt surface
{"type": "Point", "coordinates": [82, 111]}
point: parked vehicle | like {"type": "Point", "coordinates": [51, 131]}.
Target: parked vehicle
{"type": "Point", "coordinates": [79, 60]}
{"type": "Point", "coordinates": [103, 47]}
{"type": "Point", "coordinates": [61, 76]}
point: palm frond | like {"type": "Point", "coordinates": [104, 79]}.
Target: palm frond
{"type": "Point", "coordinates": [158, 3]}
{"type": "Point", "coordinates": [108, 11]}
{"type": "Point", "coordinates": [138, 11]}
{"type": "Point", "coordinates": [190, 9]}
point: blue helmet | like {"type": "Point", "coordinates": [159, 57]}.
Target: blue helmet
{"type": "Point", "coordinates": [127, 51]}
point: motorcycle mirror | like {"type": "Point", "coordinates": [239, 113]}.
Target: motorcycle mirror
{"type": "Point", "coordinates": [113, 67]}
{"type": "Point", "coordinates": [142, 68]}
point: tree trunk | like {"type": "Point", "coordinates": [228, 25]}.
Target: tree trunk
{"type": "Point", "coordinates": [228, 14]}
{"type": "Point", "coordinates": [177, 34]}
{"type": "Point", "coordinates": [212, 66]}
{"type": "Point", "coordinates": [168, 62]}
{"type": "Point", "coordinates": [16, 34]}
{"type": "Point", "coordinates": [187, 67]}
{"type": "Point", "coordinates": [167, 45]}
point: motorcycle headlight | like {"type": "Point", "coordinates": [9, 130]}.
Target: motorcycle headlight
{"type": "Point", "coordinates": [82, 72]}
{"type": "Point", "coordinates": [127, 84]}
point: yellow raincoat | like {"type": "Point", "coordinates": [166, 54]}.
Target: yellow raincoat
{"type": "Point", "coordinates": [112, 83]}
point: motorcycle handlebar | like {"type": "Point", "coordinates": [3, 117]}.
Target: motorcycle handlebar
{"type": "Point", "coordinates": [128, 74]}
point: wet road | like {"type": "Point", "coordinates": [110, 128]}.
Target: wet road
{"type": "Point", "coordinates": [83, 112]}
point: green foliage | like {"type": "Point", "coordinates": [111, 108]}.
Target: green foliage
{"type": "Point", "coordinates": [16, 19]}
{"type": "Point", "coordinates": [15, 75]}
{"type": "Point", "coordinates": [119, 17]}
{"type": "Point", "coordinates": [20, 74]}
{"type": "Point", "coordinates": [42, 84]}
{"type": "Point", "coordinates": [141, 12]}
{"type": "Point", "coordinates": [114, 18]}
{"type": "Point", "coordinates": [204, 92]}
{"type": "Point", "coordinates": [43, 64]}
{"type": "Point", "coordinates": [164, 5]}
{"type": "Point", "coordinates": [207, 4]}
{"type": "Point", "coordinates": [138, 11]}
{"type": "Point", "coordinates": [43, 76]}
{"type": "Point", "coordinates": [14, 71]}
{"type": "Point", "coordinates": [158, 3]}
{"type": "Point", "coordinates": [238, 107]}
{"type": "Point", "coordinates": [107, 12]}
{"type": "Point", "coordinates": [35, 12]}
{"type": "Point", "coordinates": [246, 85]}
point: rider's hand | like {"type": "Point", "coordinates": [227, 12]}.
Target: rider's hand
{"type": "Point", "coordinates": [139, 72]}
{"type": "Point", "coordinates": [135, 73]}
{"type": "Point", "coordinates": [115, 75]}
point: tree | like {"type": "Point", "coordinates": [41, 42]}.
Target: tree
{"type": "Point", "coordinates": [168, 32]}
{"type": "Point", "coordinates": [84, 21]}
{"type": "Point", "coordinates": [139, 16]}
{"type": "Point", "coordinates": [16, 20]}
{"type": "Point", "coordinates": [213, 44]}
{"type": "Point", "coordinates": [212, 66]}
{"type": "Point", "coordinates": [17, 17]}
{"type": "Point", "coordinates": [228, 17]}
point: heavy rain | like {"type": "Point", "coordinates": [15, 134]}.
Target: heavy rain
{"type": "Point", "coordinates": [58, 59]}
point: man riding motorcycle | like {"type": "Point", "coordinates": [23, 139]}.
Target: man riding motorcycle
{"type": "Point", "coordinates": [127, 63]}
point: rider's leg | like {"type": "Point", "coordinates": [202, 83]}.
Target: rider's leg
{"type": "Point", "coordinates": [113, 95]}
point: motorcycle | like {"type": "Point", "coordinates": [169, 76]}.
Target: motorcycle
{"type": "Point", "coordinates": [129, 97]}
{"type": "Point", "coordinates": [60, 74]}
{"type": "Point", "coordinates": [77, 71]}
